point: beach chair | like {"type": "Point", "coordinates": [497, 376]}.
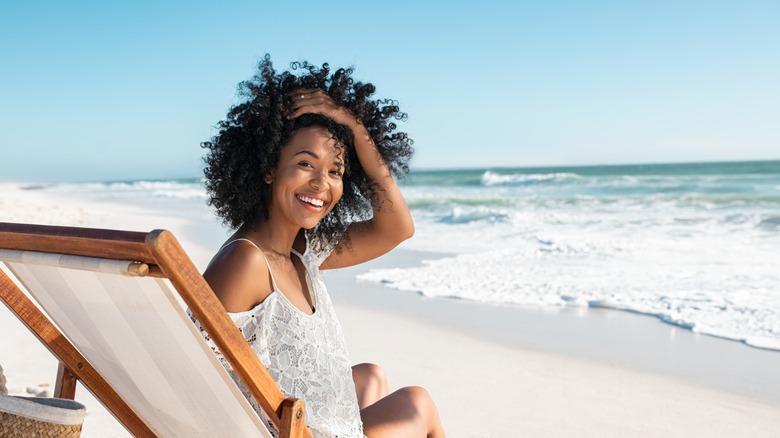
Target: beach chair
{"type": "Point", "coordinates": [101, 301]}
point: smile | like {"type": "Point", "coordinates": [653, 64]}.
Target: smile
{"type": "Point", "coordinates": [312, 201]}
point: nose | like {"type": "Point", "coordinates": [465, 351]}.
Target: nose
{"type": "Point", "coordinates": [319, 181]}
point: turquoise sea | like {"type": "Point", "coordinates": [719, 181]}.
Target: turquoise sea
{"type": "Point", "coordinates": [696, 245]}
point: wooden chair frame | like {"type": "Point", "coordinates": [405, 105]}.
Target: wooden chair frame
{"type": "Point", "coordinates": [165, 258]}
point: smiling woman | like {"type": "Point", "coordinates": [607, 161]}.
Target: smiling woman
{"type": "Point", "coordinates": [249, 142]}
{"type": "Point", "coordinates": [303, 171]}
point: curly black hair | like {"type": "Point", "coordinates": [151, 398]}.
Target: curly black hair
{"type": "Point", "coordinates": [248, 145]}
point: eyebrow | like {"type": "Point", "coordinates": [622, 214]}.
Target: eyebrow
{"type": "Point", "coordinates": [338, 163]}
{"type": "Point", "coordinates": [307, 152]}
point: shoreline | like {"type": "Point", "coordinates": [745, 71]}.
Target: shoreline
{"type": "Point", "coordinates": [492, 370]}
{"type": "Point", "coordinates": [607, 336]}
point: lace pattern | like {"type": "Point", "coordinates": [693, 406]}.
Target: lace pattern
{"type": "Point", "coordinates": [305, 354]}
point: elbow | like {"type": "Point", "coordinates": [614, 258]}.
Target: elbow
{"type": "Point", "coordinates": [409, 230]}
{"type": "Point", "coordinates": [406, 230]}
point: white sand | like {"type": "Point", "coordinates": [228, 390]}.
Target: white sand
{"type": "Point", "coordinates": [483, 388]}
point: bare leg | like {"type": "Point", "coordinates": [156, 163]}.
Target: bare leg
{"type": "Point", "coordinates": [370, 383]}
{"type": "Point", "coordinates": [408, 412]}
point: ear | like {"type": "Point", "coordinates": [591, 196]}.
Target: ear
{"type": "Point", "coordinates": [269, 177]}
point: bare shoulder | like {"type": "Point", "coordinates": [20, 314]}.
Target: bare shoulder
{"type": "Point", "coordinates": [239, 276]}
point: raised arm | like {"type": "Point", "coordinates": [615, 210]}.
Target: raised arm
{"type": "Point", "coordinates": [392, 222]}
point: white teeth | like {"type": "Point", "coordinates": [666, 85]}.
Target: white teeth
{"type": "Point", "coordinates": [312, 201]}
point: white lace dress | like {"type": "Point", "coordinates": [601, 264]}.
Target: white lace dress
{"type": "Point", "coordinates": [305, 354]}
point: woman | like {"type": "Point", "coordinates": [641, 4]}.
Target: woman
{"type": "Point", "coordinates": [303, 171]}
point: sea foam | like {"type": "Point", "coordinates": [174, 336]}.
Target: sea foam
{"type": "Point", "coordinates": [696, 247]}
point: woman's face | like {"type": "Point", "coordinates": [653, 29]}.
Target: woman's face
{"type": "Point", "coordinates": [307, 182]}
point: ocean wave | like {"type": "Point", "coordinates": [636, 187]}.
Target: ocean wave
{"type": "Point", "coordinates": [462, 216]}
{"type": "Point", "coordinates": [445, 201]}
{"type": "Point", "coordinates": [693, 247]}
{"type": "Point", "coordinates": [769, 223]}
{"type": "Point", "coordinates": [490, 178]}
{"type": "Point", "coordinates": [680, 281]}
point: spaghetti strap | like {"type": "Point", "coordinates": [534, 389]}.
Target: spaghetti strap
{"type": "Point", "coordinates": [237, 240]}
{"type": "Point", "coordinates": [270, 272]}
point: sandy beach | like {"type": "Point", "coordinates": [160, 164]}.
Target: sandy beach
{"type": "Point", "coordinates": [494, 371]}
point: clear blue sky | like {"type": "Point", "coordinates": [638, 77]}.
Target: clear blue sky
{"type": "Point", "coordinates": [102, 90]}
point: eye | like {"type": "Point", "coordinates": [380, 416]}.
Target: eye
{"type": "Point", "coordinates": [336, 172]}
{"type": "Point", "coordinates": [305, 164]}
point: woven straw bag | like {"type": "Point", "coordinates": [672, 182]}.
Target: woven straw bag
{"type": "Point", "coordinates": [40, 417]}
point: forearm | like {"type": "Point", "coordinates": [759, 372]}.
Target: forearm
{"type": "Point", "coordinates": [391, 212]}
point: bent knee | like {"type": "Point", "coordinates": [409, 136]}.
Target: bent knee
{"type": "Point", "coordinates": [426, 414]}
{"type": "Point", "coordinates": [370, 383]}
{"type": "Point", "coordinates": [419, 397]}
{"type": "Point", "coordinates": [370, 372]}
